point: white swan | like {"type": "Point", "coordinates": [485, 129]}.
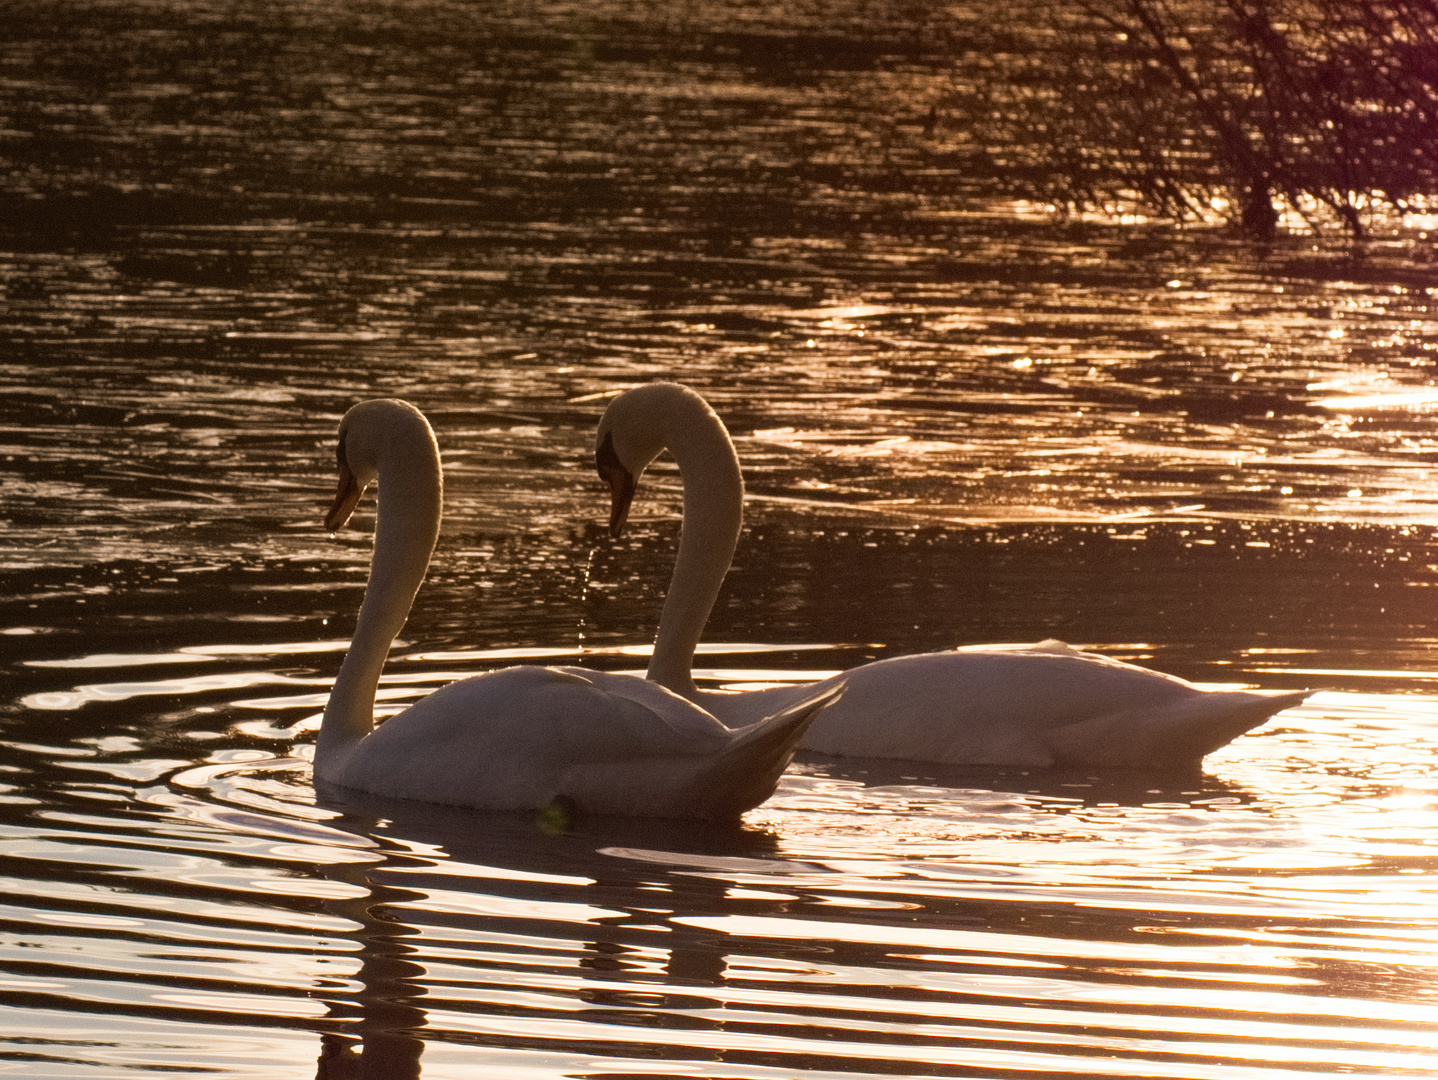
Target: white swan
{"type": "Point", "coordinates": [1043, 704]}
{"type": "Point", "coordinates": [521, 737]}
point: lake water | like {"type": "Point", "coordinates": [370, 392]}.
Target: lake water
{"type": "Point", "coordinates": [960, 420]}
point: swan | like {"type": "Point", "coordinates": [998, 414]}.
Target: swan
{"type": "Point", "coordinates": [1044, 704]}
{"type": "Point", "coordinates": [521, 737]}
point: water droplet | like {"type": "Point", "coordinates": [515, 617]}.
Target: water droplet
{"type": "Point", "coordinates": [584, 594]}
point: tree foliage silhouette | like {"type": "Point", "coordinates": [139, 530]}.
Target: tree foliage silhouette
{"type": "Point", "coordinates": [1246, 108]}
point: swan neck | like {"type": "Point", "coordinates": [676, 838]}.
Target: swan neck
{"type": "Point", "coordinates": [713, 514]}
{"type": "Point", "coordinates": [406, 528]}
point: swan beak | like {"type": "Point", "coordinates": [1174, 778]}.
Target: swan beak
{"type": "Point", "coordinates": [620, 481]}
{"type": "Point", "coordinates": [345, 499]}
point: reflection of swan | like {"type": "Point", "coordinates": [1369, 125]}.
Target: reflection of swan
{"type": "Point", "coordinates": [524, 736]}
{"type": "Point", "coordinates": [383, 1041]}
{"type": "Point", "coordinates": [597, 911]}
{"type": "Point", "coordinates": [1044, 704]}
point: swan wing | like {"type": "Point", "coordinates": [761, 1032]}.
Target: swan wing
{"type": "Point", "coordinates": [654, 715]}
{"type": "Point", "coordinates": [715, 786]}
{"type": "Point", "coordinates": [633, 719]}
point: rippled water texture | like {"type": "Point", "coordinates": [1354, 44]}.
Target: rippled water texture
{"type": "Point", "coordinates": [961, 421]}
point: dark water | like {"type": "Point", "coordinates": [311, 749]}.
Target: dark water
{"type": "Point", "coordinates": [960, 421]}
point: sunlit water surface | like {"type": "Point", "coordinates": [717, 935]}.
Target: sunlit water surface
{"type": "Point", "coordinates": [960, 422]}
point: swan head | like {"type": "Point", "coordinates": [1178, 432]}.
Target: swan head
{"type": "Point", "coordinates": [641, 423]}
{"type": "Point", "coordinates": [632, 434]}
{"type": "Point", "coordinates": [369, 433]}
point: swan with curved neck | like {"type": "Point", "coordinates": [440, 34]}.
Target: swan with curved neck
{"type": "Point", "coordinates": [521, 737]}
{"type": "Point", "coordinates": [1037, 705]}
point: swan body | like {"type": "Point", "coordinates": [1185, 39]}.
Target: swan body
{"type": "Point", "coordinates": [521, 737]}
{"type": "Point", "coordinates": [1043, 704]}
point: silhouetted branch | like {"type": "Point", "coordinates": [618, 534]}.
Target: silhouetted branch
{"type": "Point", "coordinates": [1200, 106]}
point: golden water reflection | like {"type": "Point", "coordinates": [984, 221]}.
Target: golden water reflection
{"type": "Point", "coordinates": [1272, 915]}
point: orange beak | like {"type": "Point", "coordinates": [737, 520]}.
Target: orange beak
{"type": "Point", "coordinates": [346, 498]}
{"type": "Point", "coordinates": [620, 481]}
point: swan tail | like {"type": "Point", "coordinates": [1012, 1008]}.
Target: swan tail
{"type": "Point", "coordinates": [1174, 735]}
{"type": "Point", "coordinates": [747, 771]}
